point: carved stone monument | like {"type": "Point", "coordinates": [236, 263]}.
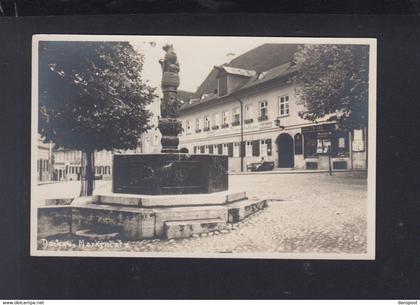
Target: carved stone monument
{"type": "Point", "coordinates": [169, 125]}
{"type": "Point", "coordinates": [170, 172]}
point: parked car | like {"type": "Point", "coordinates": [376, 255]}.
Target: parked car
{"type": "Point", "coordinates": [260, 166]}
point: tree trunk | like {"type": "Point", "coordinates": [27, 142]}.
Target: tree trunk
{"type": "Point", "coordinates": [87, 175]}
{"type": "Point", "coordinates": [89, 172]}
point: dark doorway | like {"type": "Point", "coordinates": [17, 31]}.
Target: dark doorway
{"type": "Point", "coordinates": [285, 151]}
{"type": "Point", "coordinates": [184, 150]}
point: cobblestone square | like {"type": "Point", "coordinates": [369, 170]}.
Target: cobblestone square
{"type": "Point", "coordinates": [312, 212]}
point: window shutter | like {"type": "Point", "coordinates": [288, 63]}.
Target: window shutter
{"type": "Point", "coordinates": [269, 150]}
{"type": "Point", "coordinates": [220, 149]}
{"type": "Point", "coordinates": [230, 149]}
{"type": "Point", "coordinates": [255, 148]}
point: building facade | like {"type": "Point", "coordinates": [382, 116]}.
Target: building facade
{"type": "Point", "coordinates": [68, 164]}
{"type": "Point", "coordinates": [150, 140]}
{"type": "Point", "coordinates": [44, 160]}
{"type": "Point", "coordinates": [259, 106]}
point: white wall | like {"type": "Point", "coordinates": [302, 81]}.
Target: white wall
{"type": "Point", "coordinates": [256, 130]}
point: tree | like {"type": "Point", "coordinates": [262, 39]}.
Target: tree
{"type": "Point", "coordinates": [92, 97]}
{"type": "Point", "coordinates": [333, 83]}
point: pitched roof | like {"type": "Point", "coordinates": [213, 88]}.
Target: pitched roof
{"type": "Point", "coordinates": [184, 95]}
{"type": "Point", "coordinates": [263, 63]}
{"type": "Point", "coordinates": [236, 71]}
{"type": "Point", "coordinates": [276, 72]}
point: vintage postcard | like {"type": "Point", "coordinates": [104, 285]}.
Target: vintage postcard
{"type": "Point", "coordinates": [216, 147]}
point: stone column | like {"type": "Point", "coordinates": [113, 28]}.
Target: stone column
{"type": "Point", "coordinates": [169, 125]}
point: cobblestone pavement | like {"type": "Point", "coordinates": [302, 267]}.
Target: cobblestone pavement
{"type": "Point", "coordinates": [318, 213]}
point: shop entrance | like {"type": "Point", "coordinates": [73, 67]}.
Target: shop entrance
{"type": "Point", "coordinates": [285, 151]}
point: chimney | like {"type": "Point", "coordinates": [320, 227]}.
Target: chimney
{"type": "Point", "coordinates": [229, 57]}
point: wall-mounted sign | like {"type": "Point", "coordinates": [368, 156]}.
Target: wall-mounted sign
{"type": "Point", "coordinates": [323, 135]}
{"type": "Point", "coordinates": [250, 126]}
{"type": "Point", "coordinates": [266, 125]}
{"type": "Point", "coordinates": [318, 128]}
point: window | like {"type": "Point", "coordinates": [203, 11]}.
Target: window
{"type": "Point", "coordinates": [197, 125]}
{"type": "Point", "coordinates": [340, 144]}
{"type": "Point", "coordinates": [236, 116]}
{"type": "Point", "coordinates": [225, 118]}
{"type": "Point", "coordinates": [236, 149]}
{"type": "Point", "coordinates": [323, 146]}
{"type": "Point", "coordinates": [255, 148]}
{"type": "Point", "coordinates": [310, 144]}
{"type": "Point", "coordinates": [283, 105]}
{"type": "Point", "coordinates": [220, 149]}
{"type": "Point", "coordinates": [188, 127]}
{"type": "Point", "coordinates": [263, 148]}
{"type": "Point", "coordinates": [263, 109]}
{"type": "Point", "coordinates": [269, 150]}
{"type": "Point", "coordinates": [206, 149]}
{"type": "Point", "coordinates": [248, 149]}
{"type": "Point", "coordinates": [230, 149]}
{"type": "Point", "coordinates": [298, 144]}
{"type": "Point", "coordinates": [248, 112]}
{"type": "Point", "coordinates": [206, 123]}
{"type": "Point", "coordinates": [225, 149]}
{"type": "Point", "coordinates": [215, 119]}
{"type": "Point", "coordinates": [358, 140]}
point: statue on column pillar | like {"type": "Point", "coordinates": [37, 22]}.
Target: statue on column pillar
{"type": "Point", "coordinates": [169, 126]}
{"type": "Point", "coordinates": [171, 172]}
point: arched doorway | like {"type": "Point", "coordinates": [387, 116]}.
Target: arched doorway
{"type": "Point", "coordinates": [184, 150]}
{"type": "Point", "coordinates": [285, 151]}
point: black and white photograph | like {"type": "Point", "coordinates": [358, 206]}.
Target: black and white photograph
{"type": "Point", "coordinates": [203, 147]}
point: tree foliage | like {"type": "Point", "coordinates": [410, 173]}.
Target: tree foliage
{"type": "Point", "coordinates": [333, 83]}
{"type": "Point", "coordinates": [91, 95]}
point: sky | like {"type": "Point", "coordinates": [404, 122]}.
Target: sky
{"type": "Point", "coordinates": [196, 56]}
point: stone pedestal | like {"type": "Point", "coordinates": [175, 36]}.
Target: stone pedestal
{"type": "Point", "coordinates": [137, 217]}
{"type": "Point", "coordinates": [166, 174]}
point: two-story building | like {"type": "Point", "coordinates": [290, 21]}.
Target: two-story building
{"type": "Point", "coordinates": [44, 160]}
{"type": "Point", "coordinates": [253, 100]}
{"type": "Point", "coordinates": [68, 163]}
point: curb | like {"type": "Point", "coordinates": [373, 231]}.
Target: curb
{"type": "Point", "coordinates": [48, 182]}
